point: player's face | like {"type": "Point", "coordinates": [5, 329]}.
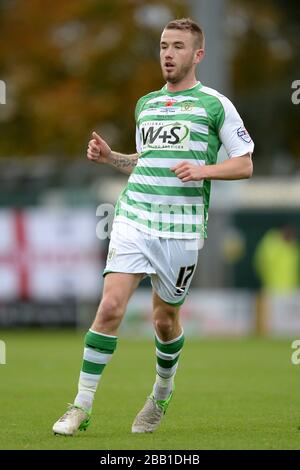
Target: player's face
{"type": "Point", "coordinates": [178, 55]}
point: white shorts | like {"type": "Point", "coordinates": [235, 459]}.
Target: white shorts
{"type": "Point", "coordinates": [170, 262]}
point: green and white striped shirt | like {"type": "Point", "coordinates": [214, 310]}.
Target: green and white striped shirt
{"type": "Point", "coordinates": [188, 125]}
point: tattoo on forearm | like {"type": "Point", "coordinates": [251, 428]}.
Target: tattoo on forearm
{"type": "Point", "coordinates": [124, 161]}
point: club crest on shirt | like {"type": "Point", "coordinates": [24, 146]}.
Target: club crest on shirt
{"type": "Point", "coordinates": [187, 106]}
{"type": "Point", "coordinates": [244, 135]}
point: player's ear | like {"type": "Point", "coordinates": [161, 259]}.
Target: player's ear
{"type": "Point", "coordinates": [199, 55]}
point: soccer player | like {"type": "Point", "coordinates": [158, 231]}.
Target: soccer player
{"type": "Point", "coordinates": [161, 216]}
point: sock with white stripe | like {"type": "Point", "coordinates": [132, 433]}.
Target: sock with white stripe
{"type": "Point", "coordinates": [98, 352]}
{"type": "Point", "coordinates": [167, 356]}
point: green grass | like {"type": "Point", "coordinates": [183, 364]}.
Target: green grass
{"type": "Point", "coordinates": [230, 394]}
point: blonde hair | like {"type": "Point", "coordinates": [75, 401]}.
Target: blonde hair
{"type": "Point", "coordinates": [187, 24]}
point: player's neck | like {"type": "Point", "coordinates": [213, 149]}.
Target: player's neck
{"type": "Point", "coordinates": [185, 84]}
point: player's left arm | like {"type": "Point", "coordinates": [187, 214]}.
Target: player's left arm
{"type": "Point", "coordinates": [233, 169]}
{"type": "Point", "coordinates": [237, 143]}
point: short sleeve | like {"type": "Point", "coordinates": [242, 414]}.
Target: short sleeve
{"type": "Point", "coordinates": [138, 107]}
{"type": "Point", "coordinates": [137, 140]}
{"type": "Point", "coordinates": [232, 132]}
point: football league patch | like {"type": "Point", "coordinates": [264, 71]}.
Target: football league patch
{"type": "Point", "coordinates": [244, 135]}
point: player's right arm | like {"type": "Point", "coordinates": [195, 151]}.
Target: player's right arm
{"type": "Point", "coordinates": [99, 152]}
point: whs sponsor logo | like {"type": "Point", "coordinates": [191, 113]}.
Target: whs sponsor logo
{"type": "Point", "coordinates": [164, 135]}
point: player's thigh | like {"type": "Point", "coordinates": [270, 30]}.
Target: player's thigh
{"type": "Point", "coordinates": [117, 290]}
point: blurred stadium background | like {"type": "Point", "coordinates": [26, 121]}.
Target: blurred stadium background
{"type": "Point", "coordinates": [70, 67]}
{"type": "Point", "coordinates": [82, 66]}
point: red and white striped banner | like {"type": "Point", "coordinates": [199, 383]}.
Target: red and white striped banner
{"type": "Point", "coordinates": [49, 254]}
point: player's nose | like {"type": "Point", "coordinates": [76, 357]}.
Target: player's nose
{"type": "Point", "coordinates": [168, 56]}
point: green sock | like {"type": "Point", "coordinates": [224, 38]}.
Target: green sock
{"type": "Point", "coordinates": [167, 356]}
{"type": "Point", "coordinates": [98, 352]}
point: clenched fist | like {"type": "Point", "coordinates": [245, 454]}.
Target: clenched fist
{"type": "Point", "coordinates": [98, 150]}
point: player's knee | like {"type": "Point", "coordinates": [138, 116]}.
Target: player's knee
{"type": "Point", "coordinates": [164, 327]}
{"type": "Point", "coordinates": [110, 309]}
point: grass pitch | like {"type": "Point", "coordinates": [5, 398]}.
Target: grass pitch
{"type": "Point", "coordinates": [230, 394]}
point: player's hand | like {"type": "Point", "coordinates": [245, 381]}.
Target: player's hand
{"type": "Point", "coordinates": [189, 172]}
{"type": "Point", "coordinates": [98, 150]}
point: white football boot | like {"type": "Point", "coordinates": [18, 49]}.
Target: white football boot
{"type": "Point", "coordinates": [150, 416]}
{"type": "Point", "coordinates": [74, 419]}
